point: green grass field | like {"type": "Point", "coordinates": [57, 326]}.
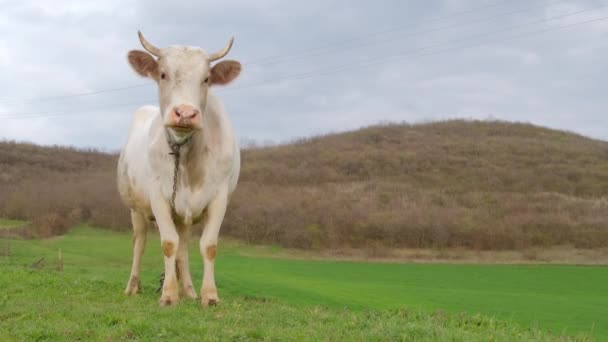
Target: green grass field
{"type": "Point", "coordinates": [7, 224]}
{"type": "Point", "coordinates": [302, 299]}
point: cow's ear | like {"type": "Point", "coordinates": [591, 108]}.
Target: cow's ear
{"type": "Point", "coordinates": [224, 72]}
{"type": "Point", "coordinates": [143, 63]}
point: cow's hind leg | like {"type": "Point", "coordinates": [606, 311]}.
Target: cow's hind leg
{"type": "Point", "coordinates": [208, 245]}
{"type": "Point", "coordinates": [140, 230]}
{"type": "Point", "coordinates": [183, 269]}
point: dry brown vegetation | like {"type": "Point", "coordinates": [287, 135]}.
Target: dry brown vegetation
{"type": "Point", "coordinates": [56, 187]}
{"type": "Point", "coordinates": [454, 184]}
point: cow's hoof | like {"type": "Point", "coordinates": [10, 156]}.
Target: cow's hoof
{"type": "Point", "coordinates": [133, 287]}
{"type": "Point", "coordinates": [210, 299]}
{"type": "Point", "coordinates": [189, 293]}
{"type": "Point", "coordinates": [168, 301]}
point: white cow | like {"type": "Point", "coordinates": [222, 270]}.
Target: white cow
{"type": "Point", "coordinates": [180, 164]}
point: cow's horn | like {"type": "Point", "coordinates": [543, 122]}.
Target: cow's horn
{"type": "Point", "coordinates": [149, 47]}
{"type": "Point", "coordinates": [224, 52]}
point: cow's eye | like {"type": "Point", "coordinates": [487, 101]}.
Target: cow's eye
{"type": "Point", "coordinates": [163, 75]}
{"type": "Point", "coordinates": [207, 80]}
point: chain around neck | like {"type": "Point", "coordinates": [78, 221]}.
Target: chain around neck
{"type": "Point", "coordinates": [175, 152]}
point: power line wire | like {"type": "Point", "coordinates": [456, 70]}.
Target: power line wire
{"type": "Point", "coordinates": [340, 47]}
{"type": "Point", "coordinates": [515, 37]}
{"type": "Point", "coordinates": [351, 66]}
{"type": "Point", "coordinates": [269, 59]}
{"type": "Point", "coordinates": [510, 28]}
{"type": "Point", "coordinates": [373, 34]}
{"type": "Point", "coordinates": [69, 112]}
{"type": "Point", "coordinates": [95, 92]}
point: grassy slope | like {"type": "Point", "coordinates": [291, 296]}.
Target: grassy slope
{"type": "Point", "coordinates": [308, 299]}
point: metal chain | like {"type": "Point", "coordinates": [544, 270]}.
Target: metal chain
{"type": "Point", "coordinates": [162, 281]}
{"type": "Point", "coordinates": [176, 154]}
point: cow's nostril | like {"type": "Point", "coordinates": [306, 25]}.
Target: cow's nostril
{"type": "Point", "coordinates": [189, 115]}
{"type": "Point", "coordinates": [185, 112]}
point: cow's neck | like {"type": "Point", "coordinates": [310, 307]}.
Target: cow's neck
{"type": "Point", "coordinates": [190, 154]}
{"type": "Point", "coordinates": [186, 148]}
{"type": "Point", "coordinates": [176, 144]}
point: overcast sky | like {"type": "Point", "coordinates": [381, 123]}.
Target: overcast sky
{"type": "Point", "coordinates": [310, 67]}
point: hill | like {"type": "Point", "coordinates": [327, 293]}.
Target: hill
{"type": "Point", "coordinates": [482, 185]}
{"type": "Point", "coordinates": [55, 187]}
{"type": "Point", "coordinates": [464, 184]}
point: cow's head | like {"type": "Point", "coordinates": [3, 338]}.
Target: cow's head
{"type": "Point", "coordinates": [184, 75]}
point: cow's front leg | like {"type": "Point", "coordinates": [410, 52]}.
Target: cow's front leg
{"type": "Point", "coordinates": [183, 268]}
{"type": "Point", "coordinates": [208, 245]}
{"type": "Point", "coordinates": [169, 244]}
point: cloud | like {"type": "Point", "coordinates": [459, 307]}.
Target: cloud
{"type": "Point", "coordinates": [444, 66]}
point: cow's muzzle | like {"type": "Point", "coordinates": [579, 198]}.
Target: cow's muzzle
{"type": "Point", "coordinates": [184, 118]}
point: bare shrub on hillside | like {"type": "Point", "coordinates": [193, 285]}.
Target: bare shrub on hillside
{"type": "Point", "coordinates": [474, 185]}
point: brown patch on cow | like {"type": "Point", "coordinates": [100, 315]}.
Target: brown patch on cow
{"type": "Point", "coordinates": [143, 63]}
{"type": "Point", "coordinates": [224, 72]}
{"type": "Point", "coordinates": [168, 248]}
{"type": "Point", "coordinates": [211, 252]}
